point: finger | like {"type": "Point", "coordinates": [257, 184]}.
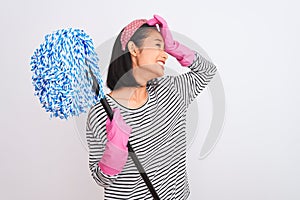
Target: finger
{"type": "Point", "coordinates": [161, 20]}
{"type": "Point", "coordinates": [152, 22]}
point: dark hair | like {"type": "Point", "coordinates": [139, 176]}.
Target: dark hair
{"type": "Point", "coordinates": [119, 70]}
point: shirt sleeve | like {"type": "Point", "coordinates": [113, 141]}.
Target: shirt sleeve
{"type": "Point", "coordinates": [95, 134]}
{"type": "Point", "coordinates": [190, 84]}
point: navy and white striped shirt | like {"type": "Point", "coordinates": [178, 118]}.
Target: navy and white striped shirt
{"type": "Point", "coordinates": [158, 137]}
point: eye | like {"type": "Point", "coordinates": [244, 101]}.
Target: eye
{"type": "Point", "coordinates": [158, 45]}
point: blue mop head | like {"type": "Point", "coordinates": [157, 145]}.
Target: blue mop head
{"type": "Point", "coordinates": [64, 67]}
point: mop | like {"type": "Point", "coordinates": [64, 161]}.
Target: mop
{"type": "Point", "coordinates": [67, 80]}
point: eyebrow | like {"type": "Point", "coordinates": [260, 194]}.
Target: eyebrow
{"type": "Point", "coordinates": [158, 40]}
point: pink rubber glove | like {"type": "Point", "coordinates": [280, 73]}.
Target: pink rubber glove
{"type": "Point", "coordinates": [183, 54]}
{"type": "Point", "coordinates": [116, 153]}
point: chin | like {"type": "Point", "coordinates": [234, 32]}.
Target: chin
{"type": "Point", "coordinates": [160, 74]}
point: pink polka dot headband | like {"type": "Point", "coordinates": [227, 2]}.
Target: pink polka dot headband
{"type": "Point", "coordinates": [129, 30]}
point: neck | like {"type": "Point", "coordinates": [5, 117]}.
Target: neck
{"type": "Point", "coordinates": [131, 97]}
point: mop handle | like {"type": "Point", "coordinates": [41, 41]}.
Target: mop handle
{"type": "Point", "coordinates": [132, 154]}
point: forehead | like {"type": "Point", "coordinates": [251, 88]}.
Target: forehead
{"type": "Point", "coordinates": [154, 36]}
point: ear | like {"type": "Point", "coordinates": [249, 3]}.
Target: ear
{"type": "Point", "coordinates": [132, 48]}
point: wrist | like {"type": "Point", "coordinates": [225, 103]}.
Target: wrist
{"type": "Point", "coordinates": [113, 160]}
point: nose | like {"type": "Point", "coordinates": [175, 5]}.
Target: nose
{"type": "Point", "coordinates": [164, 55]}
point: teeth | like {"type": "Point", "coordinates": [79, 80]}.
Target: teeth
{"type": "Point", "coordinates": [160, 63]}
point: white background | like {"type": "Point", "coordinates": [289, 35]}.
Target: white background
{"type": "Point", "coordinates": [255, 45]}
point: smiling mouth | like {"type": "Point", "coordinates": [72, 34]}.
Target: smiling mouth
{"type": "Point", "coordinates": [161, 63]}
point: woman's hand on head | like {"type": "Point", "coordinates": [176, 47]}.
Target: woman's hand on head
{"type": "Point", "coordinates": [164, 30]}
{"type": "Point", "coordinates": [183, 54]}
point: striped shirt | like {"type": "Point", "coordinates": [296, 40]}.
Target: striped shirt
{"type": "Point", "coordinates": [158, 137]}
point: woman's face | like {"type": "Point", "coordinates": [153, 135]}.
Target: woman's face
{"type": "Point", "coordinates": [150, 58]}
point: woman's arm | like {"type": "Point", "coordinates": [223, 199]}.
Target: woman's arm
{"type": "Point", "coordinates": [96, 136]}
{"type": "Point", "coordinates": [190, 84]}
{"type": "Point", "coordinates": [202, 71]}
{"type": "Point", "coordinates": [96, 148]}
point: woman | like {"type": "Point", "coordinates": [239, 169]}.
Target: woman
{"type": "Point", "coordinates": [149, 110]}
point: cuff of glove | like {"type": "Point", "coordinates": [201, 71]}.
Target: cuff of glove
{"type": "Point", "coordinates": [183, 54]}
{"type": "Point", "coordinates": [187, 60]}
{"type": "Point", "coordinates": [107, 170]}
{"type": "Point", "coordinates": [113, 159]}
